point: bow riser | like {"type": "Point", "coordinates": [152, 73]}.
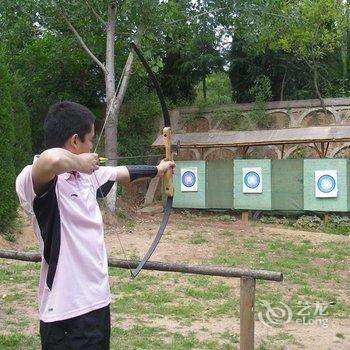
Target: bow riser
{"type": "Point", "coordinates": [168, 176]}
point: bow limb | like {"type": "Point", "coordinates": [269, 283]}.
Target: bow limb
{"type": "Point", "coordinates": [156, 85]}
{"type": "Point", "coordinates": [168, 183]}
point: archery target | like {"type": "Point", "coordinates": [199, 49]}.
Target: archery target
{"type": "Point", "coordinates": [189, 180]}
{"type": "Point", "coordinates": [252, 180]}
{"type": "Point", "coordinates": [326, 183]}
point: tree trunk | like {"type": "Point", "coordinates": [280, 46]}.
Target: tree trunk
{"type": "Point", "coordinates": [112, 117]}
{"type": "Point", "coordinates": [112, 196]}
{"type": "Point", "coordinates": [283, 84]}
{"type": "Point", "coordinates": [315, 79]}
{"type": "Point", "coordinates": [344, 55]}
{"type": "Point", "coordinates": [204, 86]}
{"type": "Point", "coordinates": [112, 122]}
{"type": "Point", "coordinates": [115, 99]}
{"type": "Point", "coordinates": [345, 44]}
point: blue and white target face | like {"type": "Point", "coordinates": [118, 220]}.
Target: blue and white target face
{"type": "Point", "coordinates": [252, 180]}
{"type": "Point", "coordinates": [326, 183]}
{"type": "Point", "coordinates": [189, 180]}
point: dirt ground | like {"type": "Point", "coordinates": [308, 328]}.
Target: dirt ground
{"type": "Point", "coordinates": [137, 234]}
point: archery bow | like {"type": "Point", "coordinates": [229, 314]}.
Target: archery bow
{"type": "Point", "coordinates": [168, 182]}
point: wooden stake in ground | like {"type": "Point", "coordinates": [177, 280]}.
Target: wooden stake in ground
{"type": "Point", "coordinates": [245, 217]}
{"type": "Point", "coordinates": [247, 313]}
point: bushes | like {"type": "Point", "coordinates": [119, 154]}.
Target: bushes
{"type": "Point", "coordinates": [8, 198]}
{"type": "Point", "coordinates": [336, 224]}
{"type": "Point", "coordinates": [308, 222]}
{"type": "Point", "coordinates": [275, 220]}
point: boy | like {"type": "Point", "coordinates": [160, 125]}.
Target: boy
{"type": "Point", "coordinates": [59, 192]}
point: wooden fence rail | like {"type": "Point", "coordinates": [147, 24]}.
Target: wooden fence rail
{"type": "Point", "coordinates": [248, 279]}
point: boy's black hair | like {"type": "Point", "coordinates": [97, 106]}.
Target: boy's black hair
{"type": "Point", "coordinates": [65, 119]}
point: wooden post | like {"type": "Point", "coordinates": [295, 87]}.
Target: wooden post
{"type": "Point", "coordinates": [247, 313]}
{"type": "Point", "coordinates": [244, 150]}
{"type": "Point", "coordinates": [151, 191]}
{"type": "Point", "coordinates": [325, 152]}
{"type": "Point", "coordinates": [282, 151]}
{"type": "Point", "coordinates": [245, 217]}
{"type": "Point", "coordinates": [327, 217]}
{"type": "Point", "coordinates": [322, 149]}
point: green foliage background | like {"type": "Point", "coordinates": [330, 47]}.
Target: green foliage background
{"type": "Point", "coordinates": [8, 199]}
{"type": "Point", "coordinates": [22, 146]}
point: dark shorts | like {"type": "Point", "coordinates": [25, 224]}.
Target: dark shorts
{"type": "Point", "coordinates": [90, 331]}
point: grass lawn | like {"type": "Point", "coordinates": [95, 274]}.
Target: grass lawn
{"type": "Point", "coordinates": [177, 311]}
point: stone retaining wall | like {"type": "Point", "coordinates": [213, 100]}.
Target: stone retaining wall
{"type": "Point", "coordinates": [286, 114]}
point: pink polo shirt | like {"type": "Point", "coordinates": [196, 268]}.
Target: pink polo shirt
{"type": "Point", "coordinates": [68, 224]}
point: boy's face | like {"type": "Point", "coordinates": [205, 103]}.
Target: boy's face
{"type": "Point", "coordinates": [87, 145]}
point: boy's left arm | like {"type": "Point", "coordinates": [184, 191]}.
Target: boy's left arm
{"type": "Point", "coordinates": [130, 173]}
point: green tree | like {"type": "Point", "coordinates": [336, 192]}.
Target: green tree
{"type": "Point", "coordinates": [289, 77]}
{"type": "Point", "coordinates": [206, 57]}
{"type": "Point", "coordinates": [22, 132]}
{"type": "Point", "coordinates": [176, 77]}
{"type": "Point", "coordinates": [310, 30]}
{"type": "Point", "coordinates": [218, 90]}
{"type": "Point", "coordinates": [8, 199]}
{"type": "Point", "coordinates": [53, 72]}
{"type": "Point", "coordinates": [192, 47]}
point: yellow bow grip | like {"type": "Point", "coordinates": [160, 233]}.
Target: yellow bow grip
{"type": "Point", "coordinates": [168, 176]}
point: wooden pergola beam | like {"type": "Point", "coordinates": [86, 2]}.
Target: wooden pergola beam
{"type": "Point", "coordinates": [335, 133]}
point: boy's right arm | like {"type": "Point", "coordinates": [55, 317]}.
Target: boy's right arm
{"type": "Point", "coordinates": [55, 161]}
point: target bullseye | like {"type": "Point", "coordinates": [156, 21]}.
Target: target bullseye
{"type": "Point", "coordinates": [326, 183]}
{"type": "Point", "coordinates": [252, 179]}
{"type": "Point", "coordinates": [188, 179]}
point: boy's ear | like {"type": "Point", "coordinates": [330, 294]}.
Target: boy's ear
{"type": "Point", "coordinates": [72, 141]}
